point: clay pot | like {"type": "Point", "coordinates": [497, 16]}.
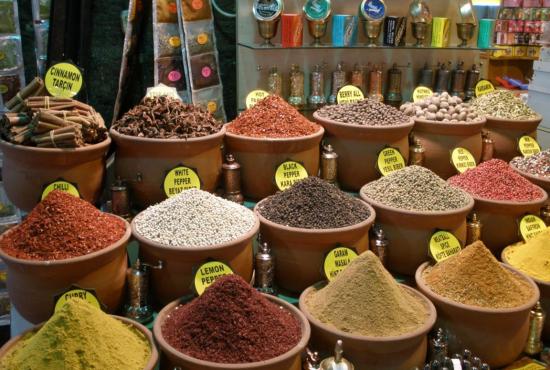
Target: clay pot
{"type": "Point", "coordinates": [33, 285]}
{"type": "Point", "coordinates": [409, 232]}
{"type": "Point", "coordinates": [358, 147]}
{"type": "Point", "coordinates": [28, 170]}
{"type": "Point", "coordinates": [260, 157]}
{"type": "Point", "coordinates": [299, 253]}
{"type": "Point", "coordinates": [403, 352]}
{"type": "Point", "coordinates": [152, 159]}
{"type": "Point", "coordinates": [497, 336]}
{"type": "Point", "coordinates": [179, 263]}
{"type": "Point", "coordinates": [151, 365]}
{"type": "Point", "coordinates": [440, 138]}
{"type": "Point", "coordinates": [506, 133]}
{"type": "Point", "coordinates": [290, 360]}
{"type": "Point", "coordinates": [543, 182]}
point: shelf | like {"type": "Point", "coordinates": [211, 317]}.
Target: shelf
{"type": "Point", "coordinates": [255, 46]}
{"type": "Point", "coordinates": [511, 58]}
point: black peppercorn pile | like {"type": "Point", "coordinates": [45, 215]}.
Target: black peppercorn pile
{"type": "Point", "coordinates": [314, 204]}
{"type": "Point", "coordinates": [167, 118]}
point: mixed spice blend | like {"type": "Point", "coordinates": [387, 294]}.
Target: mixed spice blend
{"type": "Point", "coordinates": [536, 164]}
{"type": "Point", "coordinates": [532, 257]}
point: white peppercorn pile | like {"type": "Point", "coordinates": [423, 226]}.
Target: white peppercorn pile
{"type": "Point", "coordinates": [536, 164]}
{"type": "Point", "coordinates": [442, 107]}
{"type": "Point", "coordinates": [194, 218]}
{"type": "Point", "coordinates": [416, 188]}
{"type": "Point", "coordinates": [503, 104]}
{"type": "Point", "coordinates": [368, 112]}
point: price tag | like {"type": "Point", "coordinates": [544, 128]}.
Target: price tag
{"type": "Point", "coordinates": [180, 179]}
{"type": "Point", "coordinates": [484, 87]}
{"type": "Point", "coordinates": [60, 185]}
{"type": "Point", "coordinates": [209, 272]}
{"type": "Point", "coordinates": [162, 90]}
{"type": "Point", "coordinates": [390, 160]}
{"type": "Point", "coordinates": [421, 93]}
{"type": "Point", "coordinates": [462, 159]}
{"type": "Point", "coordinates": [443, 245]}
{"type": "Point", "coordinates": [531, 226]}
{"type": "Point", "coordinates": [528, 146]}
{"type": "Point", "coordinates": [349, 94]}
{"type": "Point", "coordinates": [254, 97]}
{"type": "Point", "coordinates": [337, 260]}
{"type": "Point", "coordinates": [288, 173]}
{"type": "Point", "coordinates": [63, 80]}
{"type": "Point", "coordinates": [87, 295]}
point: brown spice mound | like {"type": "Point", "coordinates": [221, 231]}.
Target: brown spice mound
{"type": "Point", "coordinates": [475, 277]}
{"type": "Point", "coordinates": [272, 117]}
{"type": "Point", "coordinates": [62, 226]}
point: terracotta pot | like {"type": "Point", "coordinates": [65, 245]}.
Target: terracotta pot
{"type": "Point", "coordinates": [260, 157]}
{"type": "Point", "coordinates": [154, 158]}
{"type": "Point", "coordinates": [403, 352]}
{"type": "Point", "coordinates": [33, 285]}
{"type": "Point", "coordinates": [179, 263]}
{"type": "Point", "coordinates": [506, 133]}
{"type": "Point", "coordinates": [409, 232]}
{"type": "Point", "coordinates": [500, 220]}
{"type": "Point", "coordinates": [358, 147]}
{"type": "Point", "coordinates": [290, 360]}
{"type": "Point", "coordinates": [151, 365]}
{"type": "Point", "coordinates": [497, 336]}
{"type": "Point", "coordinates": [28, 170]}
{"type": "Point", "coordinates": [299, 253]}
{"type": "Point", "coordinates": [543, 182]}
{"type": "Point", "coordinates": [544, 288]}
{"type": "Point", "coordinates": [440, 138]}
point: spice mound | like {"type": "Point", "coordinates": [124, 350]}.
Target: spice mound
{"type": "Point", "coordinates": [314, 204]}
{"type": "Point", "coordinates": [80, 336]}
{"type": "Point", "coordinates": [416, 188]}
{"type": "Point", "coordinates": [503, 104]}
{"type": "Point", "coordinates": [231, 323]}
{"type": "Point", "coordinates": [475, 277]}
{"type": "Point", "coordinates": [496, 180]}
{"type": "Point", "coordinates": [368, 112]}
{"type": "Point", "coordinates": [364, 299]}
{"type": "Point", "coordinates": [272, 117]}
{"type": "Point", "coordinates": [442, 107]}
{"type": "Point", "coordinates": [532, 257]}
{"type": "Point", "coordinates": [164, 117]}
{"type": "Point", "coordinates": [62, 226]}
{"type": "Point", "coordinates": [536, 164]}
{"type": "Point", "coordinates": [194, 218]}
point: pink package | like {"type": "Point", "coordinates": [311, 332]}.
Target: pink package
{"type": "Point", "coordinates": [532, 3]}
{"type": "Point", "coordinates": [512, 3]}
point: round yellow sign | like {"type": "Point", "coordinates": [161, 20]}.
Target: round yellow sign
{"type": "Point", "coordinates": [174, 41]}
{"type": "Point", "coordinates": [3, 89]}
{"type": "Point", "coordinates": [61, 185]}
{"type": "Point", "coordinates": [254, 97]}
{"type": "Point", "coordinates": [484, 87]}
{"type": "Point", "coordinates": [202, 38]}
{"type": "Point", "coordinates": [421, 93]}
{"type": "Point", "coordinates": [63, 80]}
{"type": "Point", "coordinates": [337, 260]}
{"type": "Point", "coordinates": [180, 179]}
{"type": "Point", "coordinates": [390, 160]}
{"type": "Point", "coordinates": [349, 94]}
{"type": "Point", "coordinates": [209, 272]}
{"type": "Point", "coordinates": [530, 226]}
{"type": "Point", "coordinates": [443, 245]}
{"type": "Point", "coordinates": [288, 173]}
{"type": "Point", "coordinates": [212, 106]}
{"type": "Point", "coordinates": [77, 294]}
{"type": "Point", "coordinates": [462, 159]}
{"type": "Point", "coordinates": [528, 146]}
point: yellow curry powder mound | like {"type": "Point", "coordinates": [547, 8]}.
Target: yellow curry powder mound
{"type": "Point", "coordinates": [532, 257]}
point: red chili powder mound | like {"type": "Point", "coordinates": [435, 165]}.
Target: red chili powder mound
{"type": "Point", "coordinates": [231, 323]}
{"type": "Point", "coordinates": [62, 226]}
{"type": "Point", "coordinates": [272, 117]}
{"type": "Point", "coordinates": [496, 180]}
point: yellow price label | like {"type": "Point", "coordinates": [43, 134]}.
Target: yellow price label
{"type": "Point", "coordinates": [484, 87]}
{"type": "Point", "coordinates": [443, 245]}
{"type": "Point", "coordinates": [349, 94]}
{"type": "Point", "coordinates": [528, 146]}
{"type": "Point", "coordinates": [212, 106]}
{"type": "Point", "coordinates": [288, 173]}
{"type": "Point", "coordinates": [208, 273]}
{"type": "Point", "coordinates": [337, 260]}
{"type": "Point", "coordinates": [532, 367]}
{"type": "Point", "coordinates": [63, 80]}
{"type": "Point", "coordinates": [531, 226]}
{"type": "Point", "coordinates": [254, 97]}
{"type": "Point", "coordinates": [3, 89]}
{"type": "Point", "coordinates": [421, 93]}
{"type": "Point", "coordinates": [60, 185]}
{"type": "Point", "coordinates": [390, 160]}
{"type": "Point", "coordinates": [462, 160]}
{"type": "Point", "coordinates": [174, 41]}
{"type": "Point", "coordinates": [85, 295]}
{"type": "Point", "coordinates": [202, 38]}
{"type": "Point", "coordinates": [180, 179]}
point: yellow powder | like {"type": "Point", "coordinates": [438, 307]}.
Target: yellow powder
{"type": "Point", "coordinates": [532, 257]}
{"type": "Point", "coordinates": [80, 336]}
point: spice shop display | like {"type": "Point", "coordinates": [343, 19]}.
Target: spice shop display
{"type": "Point", "coordinates": [232, 324]}
{"type": "Point", "coordinates": [384, 324]}
{"type": "Point", "coordinates": [187, 231]}
{"type": "Point", "coordinates": [305, 222]}
{"type": "Point", "coordinates": [77, 245]}
{"type": "Point", "coordinates": [535, 168]}
{"type": "Point", "coordinates": [275, 146]}
{"type": "Point", "coordinates": [502, 196]}
{"type": "Point", "coordinates": [358, 132]}
{"type": "Point", "coordinates": [80, 336]}
{"type": "Point", "coordinates": [12, 72]}
{"type": "Point", "coordinates": [411, 204]}
{"type": "Point", "coordinates": [474, 295]}
{"type": "Point", "coordinates": [164, 146]}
